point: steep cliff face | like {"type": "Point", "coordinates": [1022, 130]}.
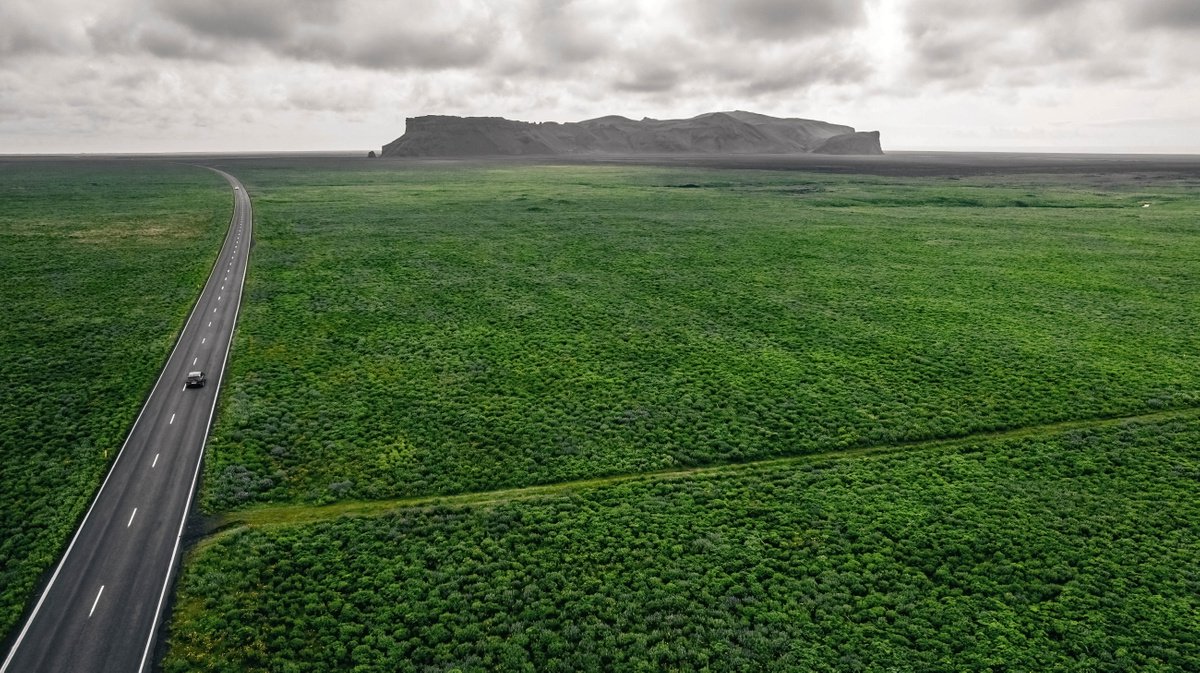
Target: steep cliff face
{"type": "Point", "coordinates": [734, 132]}
{"type": "Point", "coordinates": [862, 142]}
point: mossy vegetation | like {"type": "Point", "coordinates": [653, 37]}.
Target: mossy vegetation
{"type": "Point", "coordinates": [609, 418]}
{"type": "Point", "coordinates": [1076, 550]}
{"type": "Point", "coordinates": [430, 329]}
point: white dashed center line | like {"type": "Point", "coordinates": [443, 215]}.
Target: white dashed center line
{"type": "Point", "coordinates": [96, 602]}
{"type": "Point", "coordinates": [155, 460]}
{"type": "Point", "coordinates": [172, 421]}
{"type": "Point", "coordinates": [194, 360]}
{"type": "Point", "coordinates": [131, 518]}
{"type": "Point", "coordinates": [203, 340]}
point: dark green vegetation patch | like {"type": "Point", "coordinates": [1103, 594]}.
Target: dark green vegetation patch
{"type": "Point", "coordinates": [419, 328]}
{"type": "Point", "coordinates": [101, 263]}
{"type": "Point", "coordinates": [1077, 551]}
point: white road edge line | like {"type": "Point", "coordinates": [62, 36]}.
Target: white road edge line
{"type": "Point", "coordinates": [131, 518]}
{"type": "Point", "coordinates": [155, 460]}
{"type": "Point", "coordinates": [96, 602]}
{"type": "Point", "coordinates": [237, 307]}
{"type": "Point", "coordinates": [75, 538]}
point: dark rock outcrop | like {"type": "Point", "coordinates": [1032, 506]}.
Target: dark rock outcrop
{"type": "Point", "coordinates": [734, 132]}
{"type": "Point", "coordinates": [861, 142]}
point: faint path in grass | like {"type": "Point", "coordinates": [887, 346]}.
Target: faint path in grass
{"type": "Point", "coordinates": [275, 515]}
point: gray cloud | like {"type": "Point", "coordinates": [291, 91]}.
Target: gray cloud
{"type": "Point", "coordinates": [1022, 43]}
{"type": "Point", "coordinates": [118, 33]}
{"type": "Point", "coordinates": [262, 21]}
{"type": "Point", "coordinates": [349, 34]}
{"type": "Point", "coordinates": [31, 27]}
{"type": "Point", "coordinates": [778, 20]}
{"type": "Point", "coordinates": [1175, 14]}
{"type": "Point", "coordinates": [329, 98]}
{"type": "Point", "coordinates": [17, 39]}
{"type": "Point", "coordinates": [633, 49]}
{"type": "Point", "coordinates": [564, 31]}
{"type": "Point", "coordinates": [1026, 9]}
{"type": "Point", "coordinates": [169, 42]}
{"type": "Point", "coordinates": [1007, 12]}
{"type": "Point", "coordinates": [400, 50]}
{"type": "Point", "coordinates": [649, 78]}
{"type": "Point", "coordinates": [682, 46]}
{"type": "Point", "coordinates": [833, 68]}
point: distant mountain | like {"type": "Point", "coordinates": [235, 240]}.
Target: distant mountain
{"type": "Point", "coordinates": [734, 132]}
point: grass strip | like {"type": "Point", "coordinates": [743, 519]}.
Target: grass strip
{"type": "Point", "coordinates": [285, 515]}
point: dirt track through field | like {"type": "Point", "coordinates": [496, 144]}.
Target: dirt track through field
{"type": "Point", "coordinates": [300, 514]}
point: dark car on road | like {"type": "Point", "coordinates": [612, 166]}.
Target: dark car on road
{"type": "Point", "coordinates": [196, 380]}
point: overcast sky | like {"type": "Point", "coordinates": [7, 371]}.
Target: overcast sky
{"type": "Point", "coordinates": [242, 75]}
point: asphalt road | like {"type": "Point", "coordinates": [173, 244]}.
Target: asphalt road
{"type": "Point", "coordinates": [102, 607]}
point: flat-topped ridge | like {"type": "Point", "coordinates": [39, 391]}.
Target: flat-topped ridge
{"type": "Point", "coordinates": [730, 132]}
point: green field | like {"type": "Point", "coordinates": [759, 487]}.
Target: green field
{"type": "Point", "coordinates": [1074, 551]}
{"type": "Point", "coordinates": [434, 329]}
{"type": "Point", "coordinates": [102, 261]}
{"type": "Point", "coordinates": [629, 418]}
{"type": "Point", "coordinates": [527, 417]}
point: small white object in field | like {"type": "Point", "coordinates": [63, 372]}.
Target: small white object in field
{"type": "Point", "coordinates": [1145, 205]}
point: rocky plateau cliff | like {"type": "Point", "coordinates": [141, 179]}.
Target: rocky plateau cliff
{"type": "Point", "coordinates": [734, 132]}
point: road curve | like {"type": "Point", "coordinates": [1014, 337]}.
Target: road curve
{"type": "Point", "coordinates": [101, 609]}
